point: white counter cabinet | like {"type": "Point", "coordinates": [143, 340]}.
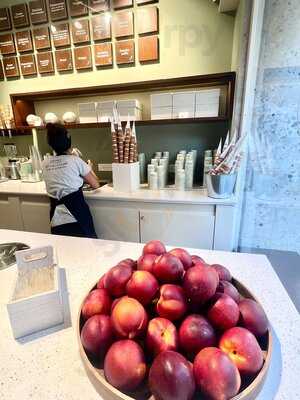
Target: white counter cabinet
{"type": "Point", "coordinates": [25, 213]}
{"type": "Point", "coordinates": [174, 224]}
{"type": "Point", "coordinates": [189, 219]}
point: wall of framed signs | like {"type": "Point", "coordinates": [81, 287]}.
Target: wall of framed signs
{"type": "Point", "coordinates": [44, 37]}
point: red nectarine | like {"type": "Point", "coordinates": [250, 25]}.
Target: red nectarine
{"type": "Point", "coordinates": [124, 365]}
{"type": "Point", "coordinates": [171, 377]}
{"type": "Point", "coordinates": [243, 349]}
{"type": "Point", "coordinates": [172, 303]}
{"type": "Point", "coordinates": [216, 375]}
{"type": "Point", "coordinates": [98, 301]}
{"type": "Point", "coordinates": [129, 318]}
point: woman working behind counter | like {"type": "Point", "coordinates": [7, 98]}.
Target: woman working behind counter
{"type": "Point", "coordinates": [64, 175]}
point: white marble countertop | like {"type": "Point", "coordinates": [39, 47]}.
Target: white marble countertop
{"type": "Point", "coordinates": [170, 195]}
{"type": "Point", "coordinates": [47, 366]}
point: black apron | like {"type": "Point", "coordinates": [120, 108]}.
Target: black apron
{"type": "Point", "coordinates": [78, 207]}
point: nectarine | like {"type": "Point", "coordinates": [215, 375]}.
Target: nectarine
{"type": "Point", "coordinates": [124, 365]}
{"type": "Point", "coordinates": [243, 349]}
{"type": "Point", "coordinates": [216, 375]}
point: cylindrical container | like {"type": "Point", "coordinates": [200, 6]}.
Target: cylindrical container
{"type": "Point", "coordinates": [150, 168]}
{"type": "Point", "coordinates": [189, 174]}
{"type": "Point", "coordinates": [180, 180]}
{"type": "Point", "coordinates": [158, 154]}
{"type": "Point", "coordinates": [208, 164]}
{"type": "Point", "coordinates": [161, 176]}
{"type": "Point", "coordinates": [166, 154]}
{"type": "Point", "coordinates": [154, 161]}
{"type": "Point", "coordinates": [142, 161]}
{"type": "Point", "coordinates": [153, 185]}
{"type": "Point", "coordinates": [165, 163]}
{"type": "Point", "coordinates": [220, 186]}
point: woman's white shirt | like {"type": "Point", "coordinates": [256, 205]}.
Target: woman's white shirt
{"type": "Point", "coordinates": [63, 175]}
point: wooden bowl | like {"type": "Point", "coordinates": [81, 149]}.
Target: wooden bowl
{"type": "Point", "coordinates": [249, 390]}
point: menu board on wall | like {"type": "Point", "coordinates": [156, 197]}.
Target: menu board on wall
{"type": "Point", "coordinates": [58, 10]}
{"type": "Point", "coordinates": [148, 48]}
{"type": "Point", "coordinates": [24, 42]}
{"type": "Point", "coordinates": [101, 27]}
{"type": "Point", "coordinates": [83, 57]}
{"type": "Point", "coordinates": [123, 24]}
{"type": "Point", "coordinates": [147, 20]}
{"type": "Point", "coordinates": [125, 52]}
{"type": "Point", "coordinates": [45, 62]}
{"type": "Point", "coordinates": [7, 44]}
{"type": "Point", "coordinates": [99, 5]}
{"type": "Point", "coordinates": [11, 67]}
{"type": "Point", "coordinates": [5, 22]}
{"type": "Point", "coordinates": [78, 9]}
{"type": "Point", "coordinates": [38, 12]}
{"type": "Point", "coordinates": [103, 54]}
{"type": "Point", "coordinates": [122, 3]}
{"type": "Point", "coordinates": [1, 71]}
{"type": "Point", "coordinates": [80, 31]}
{"type": "Point", "coordinates": [41, 38]}
{"type": "Point", "coordinates": [20, 16]}
{"type": "Point", "coordinates": [63, 59]}
{"type": "Point", "coordinates": [141, 2]}
{"type": "Point", "coordinates": [27, 64]}
{"type": "Point", "coordinates": [61, 34]}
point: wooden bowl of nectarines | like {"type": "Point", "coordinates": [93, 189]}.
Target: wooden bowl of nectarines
{"type": "Point", "coordinates": [142, 336]}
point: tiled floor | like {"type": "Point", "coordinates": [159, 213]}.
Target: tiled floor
{"type": "Point", "coordinates": [287, 266]}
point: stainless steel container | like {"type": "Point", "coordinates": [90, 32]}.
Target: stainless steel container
{"type": "Point", "coordinates": [220, 186]}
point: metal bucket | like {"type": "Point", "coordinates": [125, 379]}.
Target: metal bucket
{"type": "Point", "coordinates": [220, 186]}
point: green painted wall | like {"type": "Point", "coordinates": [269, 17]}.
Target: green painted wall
{"type": "Point", "coordinates": [194, 39]}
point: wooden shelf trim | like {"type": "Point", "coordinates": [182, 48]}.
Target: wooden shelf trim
{"type": "Point", "coordinates": [23, 103]}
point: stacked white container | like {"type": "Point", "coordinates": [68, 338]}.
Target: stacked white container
{"type": "Point", "coordinates": [161, 106]}
{"type": "Point", "coordinates": [131, 109]}
{"type": "Point", "coordinates": [184, 105]}
{"type": "Point", "coordinates": [207, 103]}
{"type": "Point", "coordinates": [105, 110]}
{"type": "Point", "coordinates": [87, 113]}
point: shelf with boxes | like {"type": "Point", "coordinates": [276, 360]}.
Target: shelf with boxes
{"type": "Point", "coordinates": [192, 99]}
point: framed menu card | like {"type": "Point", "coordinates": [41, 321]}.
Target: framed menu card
{"type": "Point", "coordinates": [45, 62]}
{"type": "Point", "coordinates": [122, 3]}
{"type": "Point", "coordinates": [103, 54]}
{"type": "Point", "coordinates": [148, 49]}
{"type": "Point", "coordinates": [20, 16]}
{"type": "Point", "coordinates": [27, 64]}
{"type": "Point", "coordinates": [99, 5]}
{"type": "Point", "coordinates": [101, 27]}
{"type": "Point", "coordinates": [125, 52]}
{"type": "Point", "coordinates": [80, 31]}
{"type": "Point", "coordinates": [11, 67]}
{"type": "Point", "coordinates": [24, 41]}
{"type": "Point", "coordinates": [38, 12]}
{"type": "Point", "coordinates": [83, 57]}
{"type": "Point", "coordinates": [123, 24]}
{"type": "Point", "coordinates": [1, 71]}
{"type": "Point", "coordinates": [64, 60]}
{"type": "Point", "coordinates": [58, 10]}
{"type": "Point", "coordinates": [78, 9]}
{"type": "Point", "coordinates": [7, 44]}
{"type": "Point", "coordinates": [41, 38]}
{"type": "Point", "coordinates": [147, 20]}
{"type": "Point", "coordinates": [5, 22]}
{"type": "Point", "coordinates": [61, 34]}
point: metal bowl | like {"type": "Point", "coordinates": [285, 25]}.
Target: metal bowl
{"type": "Point", "coordinates": [7, 253]}
{"type": "Point", "coordinates": [249, 390]}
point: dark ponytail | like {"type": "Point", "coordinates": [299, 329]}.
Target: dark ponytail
{"type": "Point", "coordinates": [58, 138]}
